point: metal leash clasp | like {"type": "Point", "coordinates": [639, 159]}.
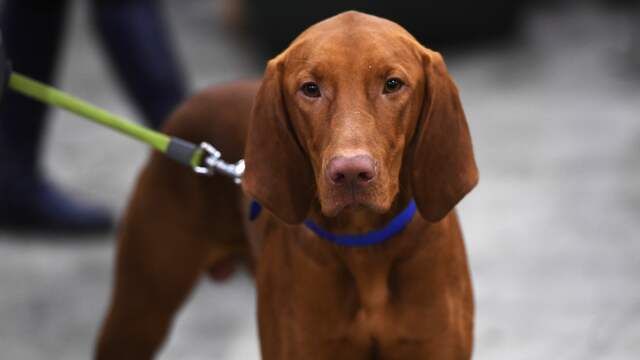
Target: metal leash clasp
{"type": "Point", "coordinates": [212, 163]}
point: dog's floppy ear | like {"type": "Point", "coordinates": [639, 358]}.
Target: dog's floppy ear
{"type": "Point", "coordinates": [278, 174]}
{"type": "Point", "coordinates": [443, 166]}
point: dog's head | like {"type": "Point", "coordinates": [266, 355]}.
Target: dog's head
{"type": "Point", "coordinates": [350, 106]}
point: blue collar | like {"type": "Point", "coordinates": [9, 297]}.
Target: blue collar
{"type": "Point", "coordinates": [396, 225]}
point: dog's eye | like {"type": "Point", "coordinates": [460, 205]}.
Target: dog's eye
{"type": "Point", "coordinates": [310, 89]}
{"type": "Point", "coordinates": [392, 85]}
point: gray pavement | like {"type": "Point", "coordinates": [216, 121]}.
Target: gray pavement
{"type": "Point", "coordinates": [551, 230]}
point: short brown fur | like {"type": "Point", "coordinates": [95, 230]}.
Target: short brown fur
{"type": "Point", "coordinates": [409, 297]}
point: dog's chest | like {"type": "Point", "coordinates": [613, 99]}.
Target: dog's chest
{"type": "Point", "coordinates": [381, 312]}
{"type": "Point", "coordinates": [353, 309]}
{"type": "Point", "coordinates": [407, 302]}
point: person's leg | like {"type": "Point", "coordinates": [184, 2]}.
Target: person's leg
{"type": "Point", "coordinates": [135, 36]}
{"type": "Point", "coordinates": [32, 31]}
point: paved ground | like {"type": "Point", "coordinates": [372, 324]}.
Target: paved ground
{"type": "Point", "coordinates": [551, 230]}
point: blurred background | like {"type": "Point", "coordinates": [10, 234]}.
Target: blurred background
{"type": "Point", "coordinates": [552, 94]}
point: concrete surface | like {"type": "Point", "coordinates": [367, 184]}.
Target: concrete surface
{"type": "Point", "coordinates": [552, 230]}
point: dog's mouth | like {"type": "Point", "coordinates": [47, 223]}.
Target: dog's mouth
{"type": "Point", "coordinates": [348, 200]}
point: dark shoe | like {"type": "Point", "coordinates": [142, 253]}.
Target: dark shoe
{"type": "Point", "coordinates": [35, 205]}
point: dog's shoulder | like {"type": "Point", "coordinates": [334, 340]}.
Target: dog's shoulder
{"type": "Point", "coordinates": [218, 114]}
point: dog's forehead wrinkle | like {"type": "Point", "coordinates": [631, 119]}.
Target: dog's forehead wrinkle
{"type": "Point", "coordinates": [358, 68]}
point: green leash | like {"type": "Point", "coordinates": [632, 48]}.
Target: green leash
{"type": "Point", "coordinates": [51, 96]}
{"type": "Point", "coordinates": [203, 158]}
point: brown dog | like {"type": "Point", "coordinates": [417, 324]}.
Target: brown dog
{"type": "Point", "coordinates": [350, 123]}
